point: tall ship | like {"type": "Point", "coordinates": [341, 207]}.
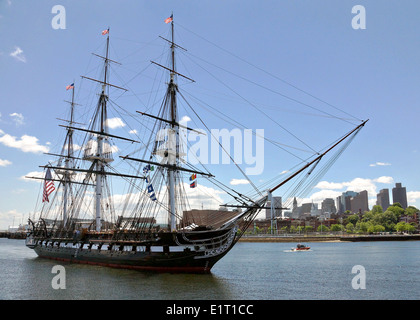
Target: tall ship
{"type": "Point", "coordinates": [77, 220]}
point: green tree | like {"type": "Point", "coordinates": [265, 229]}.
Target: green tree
{"type": "Point", "coordinates": [400, 226]}
{"type": "Point", "coordinates": [377, 209]}
{"type": "Point", "coordinates": [396, 209]}
{"type": "Point", "coordinates": [363, 227]}
{"type": "Point", "coordinates": [354, 218]}
{"type": "Point", "coordinates": [336, 227]}
{"type": "Point", "coordinates": [309, 228]}
{"type": "Point", "coordinates": [404, 227]}
{"type": "Point", "coordinates": [376, 228]}
{"type": "Point", "coordinates": [322, 228]}
{"type": "Point", "coordinates": [411, 210]}
{"type": "Point", "coordinates": [390, 219]}
{"type": "Point", "coordinates": [411, 228]}
{"type": "Point", "coordinates": [368, 216]}
{"type": "Point", "coordinates": [350, 227]}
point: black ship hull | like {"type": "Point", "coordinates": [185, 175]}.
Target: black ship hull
{"type": "Point", "coordinates": [192, 252]}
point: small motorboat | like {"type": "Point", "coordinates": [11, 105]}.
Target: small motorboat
{"type": "Point", "coordinates": [301, 247]}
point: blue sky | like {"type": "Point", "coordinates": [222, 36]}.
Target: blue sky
{"type": "Point", "coordinates": [370, 73]}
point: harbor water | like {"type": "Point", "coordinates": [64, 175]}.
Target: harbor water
{"type": "Point", "coordinates": [250, 271]}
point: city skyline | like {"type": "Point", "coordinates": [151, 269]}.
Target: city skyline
{"type": "Point", "coordinates": [355, 202]}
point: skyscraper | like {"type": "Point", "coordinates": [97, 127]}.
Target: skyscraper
{"type": "Point", "coordinates": [382, 199]}
{"type": "Point", "coordinates": [359, 203]}
{"type": "Point", "coordinates": [328, 206]}
{"type": "Point", "coordinates": [343, 201]}
{"type": "Point", "coordinates": [399, 194]}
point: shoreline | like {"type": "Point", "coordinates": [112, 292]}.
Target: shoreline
{"type": "Point", "coordinates": [356, 238]}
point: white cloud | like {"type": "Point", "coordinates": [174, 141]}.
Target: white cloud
{"type": "Point", "coordinates": [384, 179]}
{"type": "Point", "coordinates": [413, 196]}
{"type": "Point", "coordinates": [379, 164]}
{"type": "Point", "coordinates": [4, 163]}
{"type": "Point", "coordinates": [360, 184]}
{"type": "Point", "coordinates": [17, 118]}
{"type": "Point", "coordinates": [36, 174]}
{"type": "Point", "coordinates": [357, 184]}
{"type": "Point", "coordinates": [320, 196]}
{"type": "Point", "coordinates": [114, 123]}
{"type": "Point", "coordinates": [235, 182]}
{"type": "Point", "coordinates": [18, 54]}
{"type": "Point", "coordinates": [329, 185]}
{"type": "Point", "coordinates": [185, 119]}
{"type": "Point", "coordinates": [75, 146]}
{"type": "Point", "coordinates": [25, 143]}
{"type": "Point", "coordinates": [134, 131]}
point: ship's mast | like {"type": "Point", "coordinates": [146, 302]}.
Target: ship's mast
{"type": "Point", "coordinates": [100, 161]}
{"type": "Point", "coordinates": [173, 138]}
{"type": "Point", "coordinates": [68, 161]}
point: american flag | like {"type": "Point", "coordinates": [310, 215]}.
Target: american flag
{"type": "Point", "coordinates": [167, 20]}
{"type": "Point", "coordinates": [48, 186]}
{"type": "Point", "coordinates": [105, 32]}
{"type": "Point", "coordinates": [70, 86]}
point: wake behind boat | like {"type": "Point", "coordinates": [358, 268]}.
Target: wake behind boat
{"type": "Point", "coordinates": [79, 224]}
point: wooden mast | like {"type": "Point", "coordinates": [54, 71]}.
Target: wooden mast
{"type": "Point", "coordinates": [173, 137]}
{"type": "Point", "coordinates": [99, 163]}
{"type": "Point", "coordinates": [68, 161]}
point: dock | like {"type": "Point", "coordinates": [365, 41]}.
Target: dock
{"type": "Point", "coordinates": [12, 235]}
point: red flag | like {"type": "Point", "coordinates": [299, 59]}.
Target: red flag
{"type": "Point", "coordinates": [167, 20]}
{"type": "Point", "coordinates": [48, 186]}
{"type": "Point", "coordinates": [105, 32]}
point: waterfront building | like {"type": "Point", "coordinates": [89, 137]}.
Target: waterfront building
{"type": "Point", "coordinates": [359, 203]}
{"type": "Point", "coordinates": [306, 208]}
{"type": "Point", "coordinates": [382, 199]}
{"type": "Point", "coordinates": [295, 210]}
{"type": "Point", "coordinates": [399, 194]}
{"type": "Point", "coordinates": [314, 210]}
{"type": "Point", "coordinates": [328, 206]}
{"type": "Point", "coordinates": [343, 201]}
